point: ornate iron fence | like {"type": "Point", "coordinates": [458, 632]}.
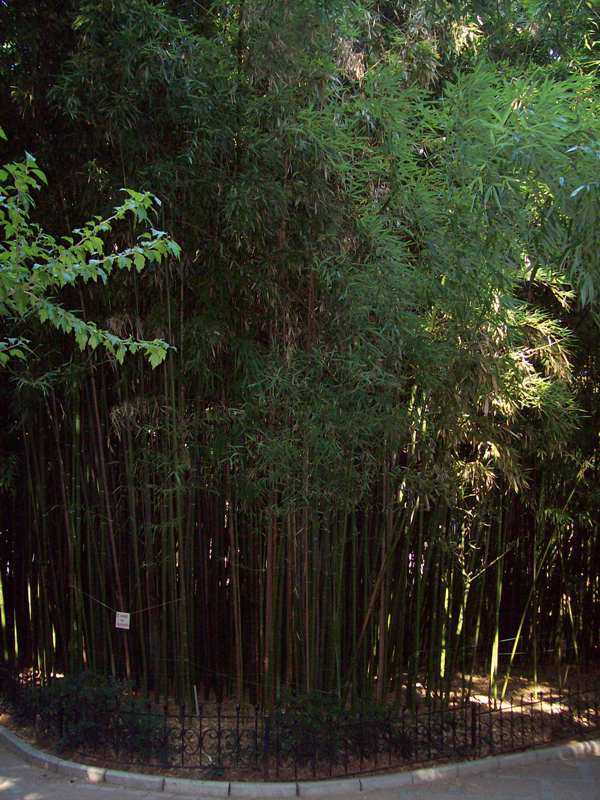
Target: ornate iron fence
{"type": "Point", "coordinates": [247, 742]}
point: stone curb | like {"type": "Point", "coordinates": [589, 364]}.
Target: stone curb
{"type": "Point", "coordinates": [325, 788]}
{"type": "Point", "coordinates": [135, 780]}
{"type": "Point", "coordinates": [189, 786]}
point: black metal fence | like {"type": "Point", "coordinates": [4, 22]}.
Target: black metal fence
{"type": "Point", "coordinates": [237, 742]}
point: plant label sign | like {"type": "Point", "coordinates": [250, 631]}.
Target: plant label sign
{"type": "Point", "coordinates": [122, 620]}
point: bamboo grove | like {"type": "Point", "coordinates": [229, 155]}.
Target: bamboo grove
{"type": "Point", "coordinates": [369, 460]}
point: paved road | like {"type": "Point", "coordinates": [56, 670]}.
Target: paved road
{"type": "Point", "coordinates": [21, 781]}
{"type": "Point", "coordinates": [561, 779]}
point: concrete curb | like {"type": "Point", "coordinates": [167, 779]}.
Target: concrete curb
{"type": "Point", "coordinates": [189, 786]}
{"type": "Point", "coordinates": [326, 788]}
{"type": "Point", "coordinates": [135, 780]}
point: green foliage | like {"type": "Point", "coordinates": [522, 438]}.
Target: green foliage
{"type": "Point", "coordinates": [34, 265]}
{"type": "Point", "coordinates": [385, 375]}
{"type": "Point", "coordinates": [88, 711]}
{"type": "Point", "coordinates": [317, 728]}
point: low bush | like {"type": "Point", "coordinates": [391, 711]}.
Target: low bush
{"type": "Point", "coordinates": [92, 712]}
{"type": "Point", "coordinates": [317, 728]}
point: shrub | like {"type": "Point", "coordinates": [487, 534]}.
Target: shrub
{"type": "Point", "coordinates": [92, 712]}
{"type": "Point", "coordinates": [317, 728]}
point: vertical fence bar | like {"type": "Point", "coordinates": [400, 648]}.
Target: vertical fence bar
{"type": "Point", "coordinates": [360, 739]}
{"type": "Point", "coordinates": [512, 725]}
{"type": "Point", "coordinates": [238, 741]}
{"type": "Point", "coordinates": [429, 730]}
{"type": "Point", "coordinates": [403, 732]}
{"type": "Point", "coordinates": [165, 737]}
{"type": "Point", "coordinates": [104, 740]}
{"type": "Point", "coordinates": [151, 719]}
{"type": "Point", "coordinates": [441, 731]}
{"type": "Point", "coordinates": [454, 730]}
{"type": "Point", "coordinates": [256, 713]}
{"type": "Point", "coordinates": [346, 724]}
{"type": "Point", "coordinates": [522, 722]}
{"type": "Point", "coordinates": [569, 710]}
{"type": "Point", "coordinates": [474, 707]}
{"type": "Point", "coordinates": [182, 735]}
{"type": "Point", "coordinates": [276, 734]}
{"type": "Point", "coordinates": [115, 713]}
{"type": "Point", "coordinates": [416, 751]}
{"type": "Point", "coordinates": [331, 754]}
{"type": "Point", "coordinates": [201, 733]}
{"type": "Point", "coordinates": [295, 752]}
{"type": "Point", "coordinates": [559, 710]}
{"type": "Point", "coordinates": [501, 725]}
{"type": "Point", "coordinates": [219, 737]}
{"type": "Point", "coordinates": [266, 745]}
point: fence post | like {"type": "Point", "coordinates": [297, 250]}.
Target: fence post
{"type": "Point", "coordinates": [256, 713]}
{"type": "Point", "coordinates": [238, 741]}
{"type": "Point", "coordinates": [276, 732]}
{"type": "Point", "coordinates": [165, 737]}
{"type": "Point", "coordinates": [361, 732]}
{"type": "Point", "coordinates": [219, 737]}
{"type": "Point", "coordinates": [266, 742]}
{"type": "Point", "coordinates": [201, 733]}
{"type": "Point", "coordinates": [182, 733]}
{"type": "Point", "coordinates": [314, 737]}
{"type": "Point", "coordinates": [442, 744]}
{"type": "Point", "coordinates": [429, 742]}
{"type": "Point", "coordinates": [501, 725]}
{"type": "Point", "coordinates": [474, 710]}
{"type": "Point", "coordinates": [415, 751]}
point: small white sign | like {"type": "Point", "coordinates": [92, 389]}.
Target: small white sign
{"type": "Point", "coordinates": [122, 620]}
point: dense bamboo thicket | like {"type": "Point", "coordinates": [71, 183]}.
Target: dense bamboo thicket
{"type": "Point", "coordinates": [369, 460]}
